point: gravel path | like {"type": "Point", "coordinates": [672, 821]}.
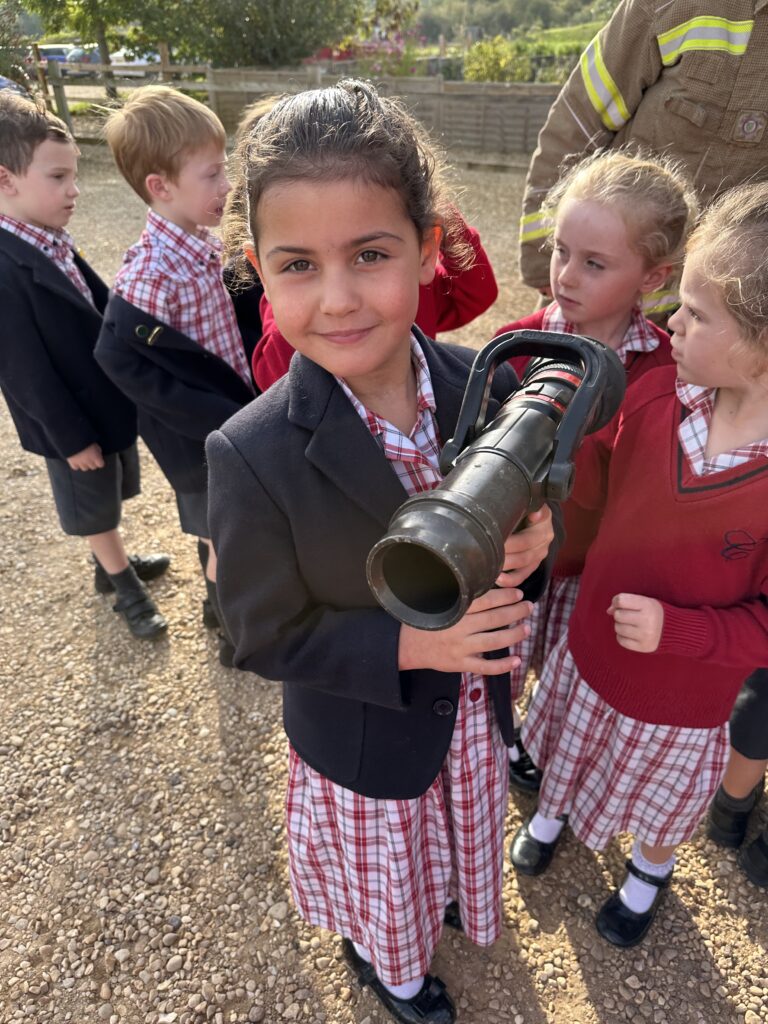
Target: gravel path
{"type": "Point", "coordinates": [142, 862]}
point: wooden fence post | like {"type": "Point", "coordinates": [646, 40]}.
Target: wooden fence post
{"type": "Point", "coordinates": [165, 62]}
{"type": "Point", "coordinates": [57, 84]}
{"type": "Point", "coordinates": [210, 81]}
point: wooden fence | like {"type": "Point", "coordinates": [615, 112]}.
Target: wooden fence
{"type": "Point", "coordinates": [483, 117]}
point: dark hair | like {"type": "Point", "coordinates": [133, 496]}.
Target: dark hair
{"type": "Point", "coordinates": [345, 131]}
{"type": "Point", "coordinates": [23, 127]}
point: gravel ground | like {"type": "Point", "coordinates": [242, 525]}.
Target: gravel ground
{"type": "Point", "coordinates": [142, 861]}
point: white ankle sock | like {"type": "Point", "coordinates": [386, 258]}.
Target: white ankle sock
{"type": "Point", "coordinates": [407, 990]}
{"type": "Point", "coordinates": [546, 830]}
{"type": "Point", "coordinates": [514, 754]}
{"type": "Point", "coordinates": [637, 894]}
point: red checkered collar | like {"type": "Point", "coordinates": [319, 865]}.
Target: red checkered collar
{"type": "Point", "coordinates": [696, 398]}
{"type": "Point", "coordinates": [201, 246]}
{"type": "Point", "coordinates": [45, 239]}
{"type": "Point", "coordinates": [425, 396]}
{"type": "Point", "coordinates": [639, 337]}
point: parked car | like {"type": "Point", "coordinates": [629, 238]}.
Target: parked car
{"type": "Point", "coordinates": [8, 83]}
{"type": "Point", "coordinates": [49, 51]}
{"type": "Point", "coordinates": [134, 67]}
{"type": "Point", "coordinates": [82, 55]}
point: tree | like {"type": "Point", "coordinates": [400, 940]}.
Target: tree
{"type": "Point", "coordinates": [10, 40]}
{"type": "Point", "coordinates": [279, 32]}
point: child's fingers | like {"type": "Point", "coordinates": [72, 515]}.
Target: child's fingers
{"type": "Point", "coordinates": [497, 618]}
{"type": "Point", "coordinates": [627, 615]}
{"type": "Point", "coordinates": [491, 666]}
{"type": "Point", "coordinates": [635, 601]}
{"type": "Point", "coordinates": [482, 643]}
{"type": "Point", "coordinates": [495, 598]}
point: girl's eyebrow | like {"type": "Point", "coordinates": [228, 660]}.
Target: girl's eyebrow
{"type": "Point", "coordinates": [298, 250]}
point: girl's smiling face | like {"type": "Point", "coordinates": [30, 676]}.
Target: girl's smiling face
{"type": "Point", "coordinates": [341, 263]}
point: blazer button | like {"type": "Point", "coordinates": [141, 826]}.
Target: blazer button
{"type": "Point", "coordinates": [142, 331]}
{"type": "Point", "coordinates": [443, 707]}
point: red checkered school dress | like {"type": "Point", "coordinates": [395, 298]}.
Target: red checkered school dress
{"type": "Point", "coordinates": [380, 872]}
{"type": "Point", "coordinates": [555, 606]}
{"type": "Point", "coordinates": [611, 773]}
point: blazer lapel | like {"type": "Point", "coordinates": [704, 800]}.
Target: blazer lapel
{"type": "Point", "coordinates": [358, 468]}
{"type": "Point", "coordinates": [44, 271]}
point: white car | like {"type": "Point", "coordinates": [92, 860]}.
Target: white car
{"type": "Point", "coordinates": [135, 67]}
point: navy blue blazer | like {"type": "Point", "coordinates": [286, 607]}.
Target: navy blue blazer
{"type": "Point", "coordinates": [60, 400]}
{"type": "Point", "coordinates": [182, 391]}
{"type": "Point", "coordinates": [299, 491]}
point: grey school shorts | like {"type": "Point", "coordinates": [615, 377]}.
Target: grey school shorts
{"type": "Point", "coordinates": [749, 718]}
{"type": "Point", "coordinates": [89, 501]}
{"type": "Point", "coordinates": [193, 512]}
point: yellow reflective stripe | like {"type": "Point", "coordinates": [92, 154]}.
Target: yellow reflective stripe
{"type": "Point", "coordinates": [533, 226]}
{"type": "Point", "coordinates": [660, 301]}
{"type": "Point", "coordinates": [704, 33]}
{"type": "Point", "coordinates": [604, 94]}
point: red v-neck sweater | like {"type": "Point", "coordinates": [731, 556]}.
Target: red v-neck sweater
{"type": "Point", "coordinates": [580, 525]}
{"type": "Point", "coordinates": [699, 544]}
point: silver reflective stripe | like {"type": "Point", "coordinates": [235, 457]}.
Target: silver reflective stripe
{"type": "Point", "coordinates": [704, 33]}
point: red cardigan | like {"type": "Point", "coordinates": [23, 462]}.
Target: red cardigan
{"type": "Point", "coordinates": [580, 524]}
{"type": "Point", "coordinates": [698, 544]}
{"type": "Point", "coordinates": [454, 298]}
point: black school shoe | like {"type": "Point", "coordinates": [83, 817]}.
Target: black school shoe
{"type": "Point", "coordinates": [753, 860]}
{"type": "Point", "coordinates": [727, 827]}
{"type": "Point", "coordinates": [529, 855]}
{"type": "Point", "coordinates": [146, 567]}
{"type": "Point", "coordinates": [523, 773]}
{"type": "Point", "coordinates": [623, 927]}
{"type": "Point", "coordinates": [431, 1005]}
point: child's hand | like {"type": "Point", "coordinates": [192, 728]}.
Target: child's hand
{"type": "Point", "coordinates": [493, 621]}
{"type": "Point", "coordinates": [88, 458]}
{"type": "Point", "coordinates": [638, 622]}
{"type": "Point", "coordinates": [526, 550]}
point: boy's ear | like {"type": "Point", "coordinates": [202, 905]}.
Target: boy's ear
{"type": "Point", "coordinates": [157, 186]}
{"type": "Point", "coordinates": [656, 278]}
{"type": "Point", "coordinates": [7, 181]}
{"type": "Point", "coordinates": [430, 250]}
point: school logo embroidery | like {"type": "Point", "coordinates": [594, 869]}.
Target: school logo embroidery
{"type": "Point", "coordinates": [750, 125]}
{"type": "Point", "coordinates": [740, 544]}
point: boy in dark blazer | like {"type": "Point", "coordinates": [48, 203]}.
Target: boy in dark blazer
{"type": "Point", "coordinates": [171, 340]}
{"type": "Point", "coordinates": [63, 406]}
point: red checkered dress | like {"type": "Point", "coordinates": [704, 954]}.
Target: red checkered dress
{"type": "Point", "coordinates": [552, 611]}
{"type": "Point", "coordinates": [176, 277]}
{"type": "Point", "coordinates": [611, 773]}
{"type": "Point", "coordinates": [58, 245]}
{"type": "Point", "coordinates": [381, 871]}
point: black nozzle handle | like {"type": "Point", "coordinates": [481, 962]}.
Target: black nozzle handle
{"type": "Point", "coordinates": [594, 361]}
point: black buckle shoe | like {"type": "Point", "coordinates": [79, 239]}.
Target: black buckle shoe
{"type": "Point", "coordinates": [727, 827]}
{"type": "Point", "coordinates": [529, 855]}
{"type": "Point", "coordinates": [430, 1005]}
{"type": "Point", "coordinates": [523, 773]}
{"type": "Point", "coordinates": [140, 612]}
{"type": "Point", "coordinates": [146, 567]}
{"type": "Point", "coordinates": [623, 927]}
{"type": "Point", "coordinates": [753, 860]}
